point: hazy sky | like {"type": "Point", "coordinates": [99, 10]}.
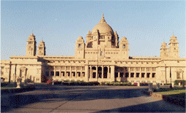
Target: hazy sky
{"type": "Point", "coordinates": [146, 24]}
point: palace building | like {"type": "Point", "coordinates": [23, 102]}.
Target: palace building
{"type": "Point", "coordinates": [102, 58]}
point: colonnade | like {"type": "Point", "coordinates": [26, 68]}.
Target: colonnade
{"type": "Point", "coordinates": [67, 73]}
{"type": "Point", "coordinates": [103, 72]}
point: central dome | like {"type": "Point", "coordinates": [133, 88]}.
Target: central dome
{"type": "Point", "coordinates": [102, 27]}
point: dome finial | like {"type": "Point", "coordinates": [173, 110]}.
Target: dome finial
{"type": "Point", "coordinates": [102, 19]}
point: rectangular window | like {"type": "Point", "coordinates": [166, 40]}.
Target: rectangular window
{"type": "Point", "coordinates": [132, 75]}
{"type": "Point", "coordinates": [153, 75]}
{"type": "Point", "coordinates": [52, 73]}
{"type": "Point", "coordinates": [126, 75]}
{"type": "Point", "coordinates": [73, 74]}
{"type": "Point", "coordinates": [121, 74]}
{"type": "Point", "coordinates": [116, 75]}
{"type": "Point", "coordinates": [83, 74]}
{"type": "Point", "coordinates": [137, 75]}
{"type": "Point", "coordinates": [57, 73]}
{"type": "Point", "coordinates": [143, 75]}
{"type": "Point", "coordinates": [148, 75]}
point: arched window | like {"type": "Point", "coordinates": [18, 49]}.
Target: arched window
{"type": "Point", "coordinates": [124, 46]}
{"type": "Point", "coordinates": [79, 45]}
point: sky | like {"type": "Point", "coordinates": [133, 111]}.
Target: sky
{"type": "Point", "coordinates": [145, 24]}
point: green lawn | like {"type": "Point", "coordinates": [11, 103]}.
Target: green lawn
{"type": "Point", "coordinates": [176, 92]}
{"type": "Point", "coordinates": [8, 87]}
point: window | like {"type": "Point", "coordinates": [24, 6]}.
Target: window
{"type": "Point", "coordinates": [178, 75]}
{"type": "Point", "coordinates": [126, 75]}
{"type": "Point", "coordinates": [143, 75]}
{"type": "Point", "coordinates": [137, 75]}
{"type": "Point", "coordinates": [57, 73]}
{"type": "Point", "coordinates": [132, 75]}
{"type": "Point", "coordinates": [79, 45]}
{"type": "Point", "coordinates": [153, 75]}
{"type": "Point", "coordinates": [102, 37]}
{"type": "Point", "coordinates": [124, 46]}
{"type": "Point", "coordinates": [148, 75]}
{"type": "Point", "coordinates": [52, 73]}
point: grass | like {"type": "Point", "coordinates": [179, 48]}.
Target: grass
{"type": "Point", "coordinates": [8, 87]}
{"type": "Point", "coordinates": [176, 92]}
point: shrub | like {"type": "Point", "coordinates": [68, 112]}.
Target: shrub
{"type": "Point", "coordinates": [180, 81]}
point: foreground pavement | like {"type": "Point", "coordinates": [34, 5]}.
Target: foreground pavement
{"type": "Point", "coordinates": [88, 99]}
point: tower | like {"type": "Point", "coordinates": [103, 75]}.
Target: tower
{"type": "Point", "coordinates": [173, 47]}
{"type": "Point", "coordinates": [80, 48]}
{"type": "Point", "coordinates": [31, 46]}
{"type": "Point", "coordinates": [41, 51]}
{"type": "Point", "coordinates": [164, 50]}
{"type": "Point", "coordinates": [88, 40]}
{"type": "Point", "coordinates": [124, 48]}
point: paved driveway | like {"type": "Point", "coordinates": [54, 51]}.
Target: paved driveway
{"type": "Point", "coordinates": [87, 99]}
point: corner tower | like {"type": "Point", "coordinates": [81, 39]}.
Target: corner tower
{"type": "Point", "coordinates": [164, 50]}
{"type": "Point", "coordinates": [124, 48]}
{"type": "Point", "coordinates": [31, 46]}
{"type": "Point", "coordinates": [41, 51]}
{"type": "Point", "coordinates": [173, 47]}
{"type": "Point", "coordinates": [80, 48]}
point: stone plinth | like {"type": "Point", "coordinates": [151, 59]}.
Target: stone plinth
{"type": "Point", "coordinates": [150, 87]}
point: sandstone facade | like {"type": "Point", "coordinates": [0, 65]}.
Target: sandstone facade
{"type": "Point", "coordinates": [101, 58]}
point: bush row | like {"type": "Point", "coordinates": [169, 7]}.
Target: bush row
{"type": "Point", "coordinates": [180, 81]}
{"type": "Point", "coordinates": [92, 83]}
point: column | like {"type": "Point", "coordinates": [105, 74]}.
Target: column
{"type": "Point", "coordinates": [90, 71]}
{"type": "Point", "coordinates": [54, 71]}
{"type": "Point", "coordinates": [108, 74]}
{"type": "Point", "coordinates": [119, 75]}
{"type": "Point", "coordinates": [96, 71]}
{"type": "Point", "coordinates": [112, 73]}
{"type": "Point", "coordinates": [70, 71]}
{"type": "Point", "coordinates": [150, 76]}
{"type": "Point", "coordinates": [145, 74]}
{"type": "Point", "coordinates": [14, 74]}
{"type": "Point", "coordinates": [86, 73]}
{"type": "Point", "coordinates": [81, 75]}
{"type": "Point", "coordinates": [76, 72]}
{"type": "Point", "coordinates": [140, 73]}
{"type": "Point", "coordinates": [129, 73]}
{"type": "Point", "coordinates": [134, 73]}
{"type": "Point", "coordinates": [60, 72]}
{"type": "Point", "coordinates": [65, 72]}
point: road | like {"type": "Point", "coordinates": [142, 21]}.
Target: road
{"type": "Point", "coordinates": [87, 99]}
